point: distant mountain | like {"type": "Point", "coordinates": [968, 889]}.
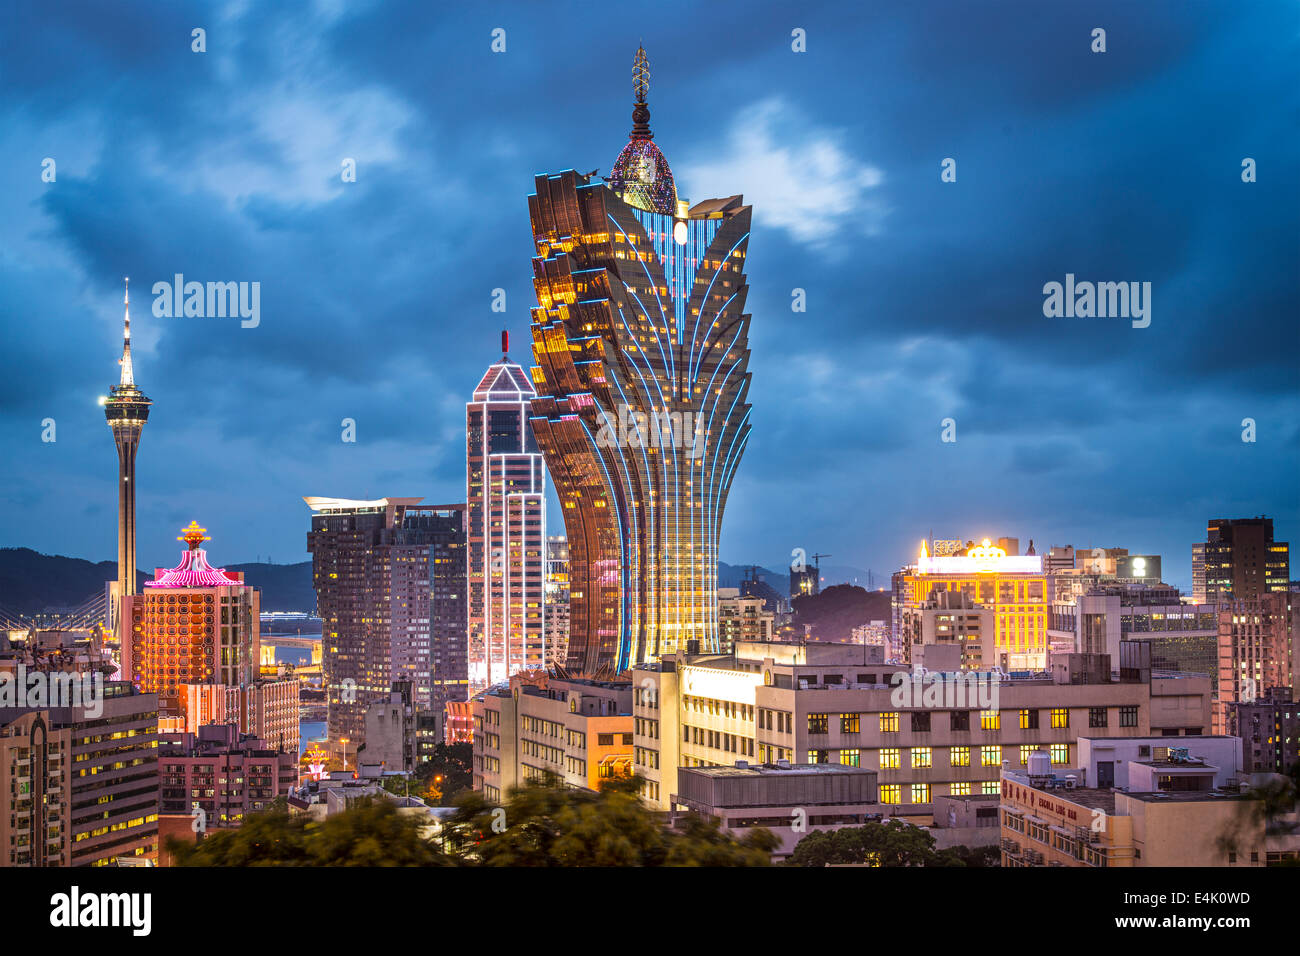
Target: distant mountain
{"type": "Point", "coordinates": [31, 582]}
{"type": "Point", "coordinates": [284, 587]}
{"type": "Point", "coordinates": [838, 609]}
{"type": "Point", "coordinates": [730, 576]}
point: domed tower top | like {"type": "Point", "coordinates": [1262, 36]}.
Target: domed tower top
{"type": "Point", "coordinates": [641, 174]}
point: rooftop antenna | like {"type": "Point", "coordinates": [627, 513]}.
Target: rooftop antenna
{"type": "Point", "coordinates": [505, 343]}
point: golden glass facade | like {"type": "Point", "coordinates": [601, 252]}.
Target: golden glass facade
{"type": "Point", "coordinates": [641, 344]}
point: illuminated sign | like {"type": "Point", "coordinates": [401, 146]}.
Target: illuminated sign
{"type": "Point", "coordinates": [984, 559]}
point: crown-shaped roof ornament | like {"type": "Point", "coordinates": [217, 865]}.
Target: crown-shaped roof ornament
{"type": "Point", "coordinates": [193, 535]}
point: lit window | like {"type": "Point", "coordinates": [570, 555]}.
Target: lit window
{"type": "Point", "coordinates": [921, 757]}
{"type": "Point", "coordinates": [891, 793]}
{"type": "Point", "coordinates": [1060, 754]}
{"type": "Point", "coordinates": [889, 758]}
{"type": "Point", "coordinates": [959, 757]}
{"type": "Point", "coordinates": [991, 756]}
{"type": "Point", "coordinates": [1060, 718]}
{"type": "Point", "coordinates": [889, 723]}
{"type": "Point", "coordinates": [990, 720]}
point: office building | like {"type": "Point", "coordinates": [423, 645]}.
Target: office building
{"type": "Point", "coordinates": [1014, 587]}
{"type": "Point", "coordinates": [641, 341]}
{"type": "Point", "coordinates": [820, 703]}
{"type": "Point", "coordinates": [1172, 815]}
{"type": "Point", "coordinates": [557, 600]}
{"type": "Point", "coordinates": [1269, 728]}
{"type": "Point", "coordinates": [1242, 561]}
{"type": "Point", "coordinates": [789, 800]}
{"type": "Point", "coordinates": [742, 618]}
{"type": "Point", "coordinates": [96, 776]}
{"type": "Point", "coordinates": [505, 487]}
{"type": "Point", "coordinates": [953, 617]}
{"type": "Point", "coordinates": [579, 731]}
{"type": "Point", "coordinates": [381, 569]}
{"type": "Point", "coordinates": [1256, 650]}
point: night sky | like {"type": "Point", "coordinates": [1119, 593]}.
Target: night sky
{"type": "Point", "coordinates": [924, 298]}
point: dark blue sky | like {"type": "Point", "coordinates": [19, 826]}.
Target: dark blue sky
{"type": "Point", "coordinates": [924, 299]}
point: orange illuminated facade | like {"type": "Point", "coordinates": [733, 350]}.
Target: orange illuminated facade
{"type": "Point", "coordinates": [1014, 587]}
{"type": "Point", "coordinates": [193, 624]}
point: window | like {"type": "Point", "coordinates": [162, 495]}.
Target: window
{"type": "Point", "coordinates": [990, 720]}
{"type": "Point", "coordinates": [605, 740]}
{"type": "Point", "coordinates": [1097, 717]}
{"type": "Point", "coordinates": [960, 720]}
{"type": "Point", "coordinates": [889, 723]}
{"type": "Point", "coordinates": [1025, 751]}
{"type": "Point", "coordinates": [1060, 754]}
{"type": "Point", "coordinates": [920, 722]}
{"type": "Point", "coordinates": [1128, 716]}
{"type": "Point", "coordinates": [1028, 720]}
{"type": "Point", "coordinates": [851, 758]}
{"type": "Point", "coordinates": [991, 756]}
{"type": "Point", "coordinates": [890, 793]}
{"type": "Point", "coordinates": [989, 788]}
{"type": "Point", "coordinates": [920, 793]}
{"type": "Point", "coordinates": [819, 723]}
{"type": "Point", "coordinates": [960, 790]}
{"type": "Point", "coordinates": [819, 756]}
{"type": "Point", "coordinates": [1060, 718]}
{"type": "Point", "coordinates": [889, 758]}
{"type": "Point", "coordinates": [959, 757]}
{"type": "Point", "coordinates": [850, 724]}
{"type": "Point", "coordinates": [922, 757]}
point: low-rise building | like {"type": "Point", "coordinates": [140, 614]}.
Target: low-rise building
{"type": "Point", "coordinates": [1052, 819]}
{"type": "Point", "coordinates": [790, 800]}
{"type": "Point", "coordinates": [575, 729]}
{"type": "Point", "coordinates": [820, 703]}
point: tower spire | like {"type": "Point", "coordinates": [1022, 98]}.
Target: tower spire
{"type": "Point", "coordinates": [640, 87]}
{"type": "Point", "coordinates": [128, 372]}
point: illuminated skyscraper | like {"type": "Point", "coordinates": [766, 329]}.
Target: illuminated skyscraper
{"type": "Point", "coordinates": [641, 343]}
{"type": "Point", "coordinates": [505, 485]}
{"type": "Point", "coordinates": [195, 624]}
{"type": "Point", "coordinates": [126, 409]}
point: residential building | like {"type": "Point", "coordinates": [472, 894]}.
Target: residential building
{"type": "Point", "coordinates": [1242, 561]}
{"type": "Point", "coordinates": [578, 730]}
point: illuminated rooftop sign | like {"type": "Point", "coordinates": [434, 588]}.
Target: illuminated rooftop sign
{"type": "Point", "coordinates": [984, 559]}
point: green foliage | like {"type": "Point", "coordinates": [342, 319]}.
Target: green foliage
{"type": "Point", "coordinates": [543, 824]}
{"type": "Point", "coordinates": [370, 833]}
{"type": "Point", "coordinates": [892, 843]}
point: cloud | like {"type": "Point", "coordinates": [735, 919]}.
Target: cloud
{"type": "Point", "coordinates": [799, 177]}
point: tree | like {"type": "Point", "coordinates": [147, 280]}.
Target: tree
{"type": "Point", "coordinates": [369, 833]}
{"type": "Point", "coordinates": [892, 843]}
{"type": "Point", "coordinates": [546, 824]}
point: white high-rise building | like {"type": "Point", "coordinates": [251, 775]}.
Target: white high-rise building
{"type": "Point", "coordinates": [505, 492]}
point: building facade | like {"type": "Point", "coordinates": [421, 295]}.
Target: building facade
{"type": "Point", "coordinates": [1014, 587]}
{"type": "Point", "coordinates": [376, 571]}
{"type": "Point", "coordinates": [1242, 561]}
{"type": "Point", "coordinates": [194, 624]}
{"type": "Point", "coordinates": [1256, 650]}
{"type": "Point", "coordinates": [505, 488]}
{"type": "Point", "coordinates": [641, 346]}
{"type": "Point", "coordinates": [579, 731]}
{"type": "Point", "coordinates": [816, 703]}
{"type": "Point", "coordinates": [557, 599]}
